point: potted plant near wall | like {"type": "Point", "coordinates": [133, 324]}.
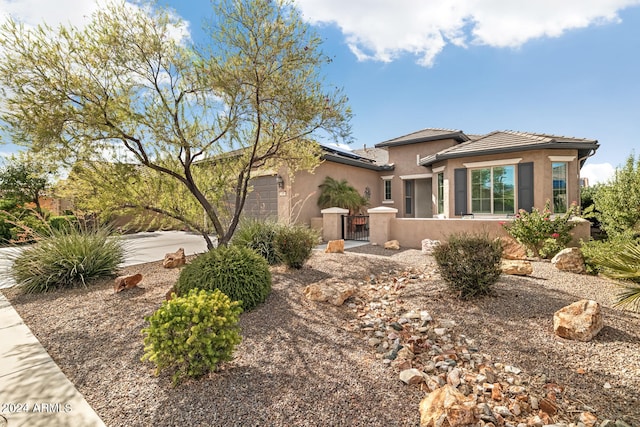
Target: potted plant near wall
{"type": "Point", "coordinates": [341, 194]}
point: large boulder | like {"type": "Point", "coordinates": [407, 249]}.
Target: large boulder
{"type": "Point", "coordinates": [518, 267]}
{"type": "Point", "coordinates": [174, 259]}
{"type": "Point", "coordinates": [335, 247]}
{"type": "Point", "coordinates": [126, 282]}
{"type": "Point", "coordinates": [580, 321]}
{"type": "Point", "coordinates": [571, 260]}
{"type": "Point", "coordinates": [392, 244]}
{"type": "Point", "coordinates": [512, 249]}
{"type": "Point", "coordinates": [332, 291]}
{"type": "Point", "coordinates": [446, 406]}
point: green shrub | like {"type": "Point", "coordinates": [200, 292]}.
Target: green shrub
{"type": "Point", "coordinates": [542, 235]}
{"type": "Point", "coordinates": [617, 201]}
{"type": "Point", "coordinates": [240, 273]}
{"type": "Point", "coordinates": [67, 258]}
{"type": "Point", "coordinates": [470, 264]}
{"type": "Point", "coordinates": [191, 335]}
{"type": "Point", "coordinates": [259, 236]}
{"type": "Point", "coordinates": [5, 229]}
{"type": "Point", "coordinates": [295, 244]}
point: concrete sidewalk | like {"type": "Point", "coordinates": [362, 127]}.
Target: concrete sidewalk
{"type": "Point", "coordinates": [34, 392]}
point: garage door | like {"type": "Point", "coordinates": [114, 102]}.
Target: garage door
{"type": "Point", "coordinates": [262, 202]}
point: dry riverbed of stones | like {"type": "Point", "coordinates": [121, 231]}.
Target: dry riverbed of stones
{"type": "Point", "coordinates": [431, 354]}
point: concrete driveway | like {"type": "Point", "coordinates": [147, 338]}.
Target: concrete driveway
{"type": "Point", "coordinates": [139, 248]}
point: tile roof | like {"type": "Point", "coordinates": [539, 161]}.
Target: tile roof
{"type": "Point", "coordinates": [424, 135]}
{"type": "Point", "coordinates": [511, 141]}
{"type": "Point", "coordinates": [338, 155]}
{"type": "Point", "coordinates": [379, 155]}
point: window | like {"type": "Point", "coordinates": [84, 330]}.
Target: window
{"type": "Point", "coordinates": [493, 190]}
{"type": "Point", "coordinates": [440, 193]}
{"type": "Point", "coordinates": [387, 189]}
{"type": "Point", "coordinates": [408, 197]}
{"type": "Point", "coordinates": [559, 176]}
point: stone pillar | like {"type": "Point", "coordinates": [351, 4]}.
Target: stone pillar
{"type": "Point", "coordinates": [332, 223]}
{"type": "Point", "coordinates": [380, 224]}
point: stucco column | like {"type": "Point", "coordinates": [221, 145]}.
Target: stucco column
{"type": "Point", "coordinates": [380, 224]}
{"type": "Point", "coordinates": [332, 223]}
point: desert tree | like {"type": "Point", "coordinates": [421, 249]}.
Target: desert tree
{"type": "Point", "coordinates": [23, 180]}
{"type": "Point", "coordinates": [618, 201]}
{"type": "Point", "coordinates": [130, 88]}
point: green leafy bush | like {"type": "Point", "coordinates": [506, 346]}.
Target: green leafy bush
{"type": "Point", "coordinates": [295, 244]}
{"type": "Point", "coordinates": [192, 334]}
{"type": "Point", "coordinates": [470, 264]}
{"type": "Point", "coordinates": [67, 258]}
{"type": "Point", "coordinates": [617, 201]}
{"type": "Point", "coordinates": [240, 273]}
{"type": "Point", "coordinates": [541, 234]}
{"type": "Point", "coordinates": [259, 236]}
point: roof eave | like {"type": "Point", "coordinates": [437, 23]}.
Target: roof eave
{"type": "Point", "coordinates": [584, 150]}
{"type": "Point", "coordinates": [457, 136]}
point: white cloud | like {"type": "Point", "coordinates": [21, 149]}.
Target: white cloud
{"type": "Point", "coordinates": [54, 12]}
{"type": "Point", "coordinates": [65, 12]}
{"type": "Point", "coordinates": [383, 30]}
{"type": "Point", "coordinates": [597, 173]}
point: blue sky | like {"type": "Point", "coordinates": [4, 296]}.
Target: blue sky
{"type": "Point", "coordinates": [566, 68]}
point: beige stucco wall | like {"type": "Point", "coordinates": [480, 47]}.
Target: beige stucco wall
{"type": "Point", "coordinates": [410, 232]}
{"type": "Point", "coordinates": [543, 190]}
{"type": "Point", "coordinates": [300, 195]}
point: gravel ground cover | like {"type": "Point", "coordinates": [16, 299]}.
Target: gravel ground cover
{"type": "Point", "coordinates": [304, 363]}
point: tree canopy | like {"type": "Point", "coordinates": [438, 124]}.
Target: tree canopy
{"type": "Point", "coordinates": [617, 202]}
{"type": "Point", "coordinates": [23, 181]}
{"type": "Point", "coordinates": [124, 90]}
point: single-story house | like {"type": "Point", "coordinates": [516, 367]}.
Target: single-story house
{"type": "Point", "coordinates": [439, 173]}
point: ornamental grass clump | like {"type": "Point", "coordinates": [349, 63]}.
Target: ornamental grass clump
{"type": "Point", "coordinates": [193, 334]}
{"type": "Point", "coordinates": [238, 272]}
{"type": "Point", "coordinates": [622, 264]}
{"type": "Point", "coordinates": [542, 235]}
{"type": "Point", "coordinates": [68, 257]}
{"type": "Point", "coordinates": [259, 236]}
{"type": "Point", "coordinates": [470, 264]}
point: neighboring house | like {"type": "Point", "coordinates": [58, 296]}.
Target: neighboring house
{"type": "Point", "coordinates": [440, 173]}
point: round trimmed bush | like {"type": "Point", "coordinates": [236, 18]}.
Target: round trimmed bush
{"type": "Point", "coordinates": [470, 264]}
{"type": "Point", "coordinates": [192, 334]}
{"type": "Point", "coordinates": [240, 273]}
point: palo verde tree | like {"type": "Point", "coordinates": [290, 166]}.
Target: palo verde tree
{"type": "Point", "coordinates": [200, 119]}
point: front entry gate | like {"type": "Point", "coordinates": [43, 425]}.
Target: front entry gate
{"type": "Point", "coordinates": [355, 227]}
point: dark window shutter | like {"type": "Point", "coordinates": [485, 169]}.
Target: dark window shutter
{"type": "Point", "coordinates": [460, 191]}
{"type": "Point", "coordinates": [525, 186]}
